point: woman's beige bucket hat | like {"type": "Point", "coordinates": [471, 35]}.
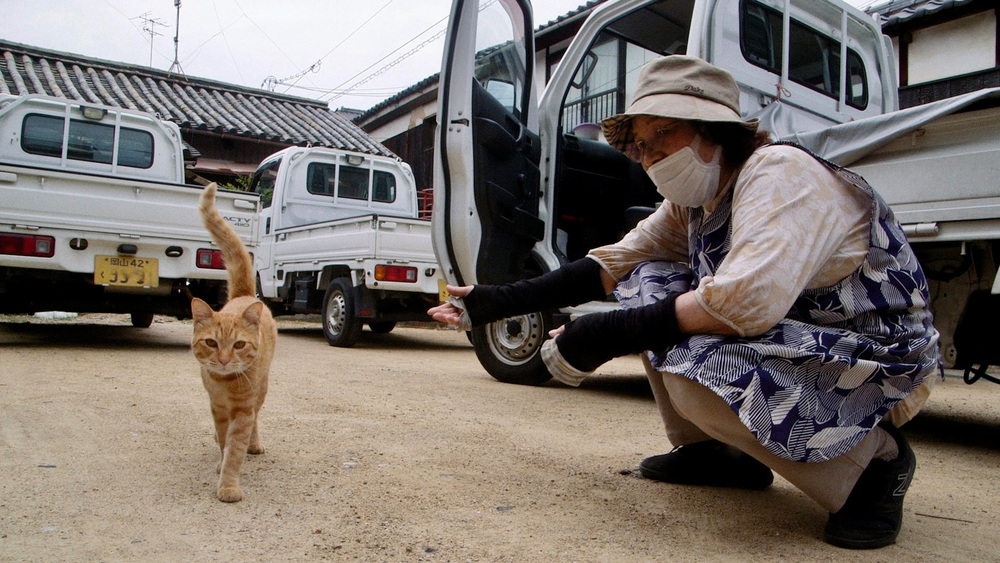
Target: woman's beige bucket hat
{"type": "Point", "coordinates": [679, 87]}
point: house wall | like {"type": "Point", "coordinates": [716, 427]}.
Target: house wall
{"type": "Point", "coordinates": [954, 48]}
{"type": "Point", "coordinates": [404, 123]}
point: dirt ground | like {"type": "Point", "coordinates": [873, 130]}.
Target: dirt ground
{"type": "Point", "coordinates": [404, 449]}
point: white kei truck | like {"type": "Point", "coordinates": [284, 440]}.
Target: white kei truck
{"type": "Point", "coordinates": [522, 183]}
{"type": "Point", "coordinates": [341, 235]}
{"type": "Point", "coordinates": [95, 215]}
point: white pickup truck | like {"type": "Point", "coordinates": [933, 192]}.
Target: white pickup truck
{"type": "Point", "coordinates": [340, 235]}
{"type": "Point", "coordinates": [523, 184]}
{"type": "Point", "coordinates": [95, 215]}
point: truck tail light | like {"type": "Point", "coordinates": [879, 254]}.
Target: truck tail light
{"type": "Point", "coordinates": [405, 274]}
{"type": "Point", "coordinates": [210, 259]}
{"type": "Point", "coordinates": [27, 245]}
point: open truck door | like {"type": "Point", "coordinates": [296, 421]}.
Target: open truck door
{"type": "Point", "coordinates": [486, 172]}
{"type": "Point", "coordinates": [521, 188]}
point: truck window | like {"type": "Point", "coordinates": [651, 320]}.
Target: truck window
{"type": "Point", "coordinates": [383, 187]}
{"type": "Point", "coordinates": [499, 59]}
{"type": "Point", "coordinates": [88, 141]}
{"type": "Point", "coordinates": [135, 148]}
{"type": "Point", "coordinates": [321, 178]}
{"type": "Point", "coordinates": [813, 58]}
{"type": "Point", "coordinates": [353, 183]}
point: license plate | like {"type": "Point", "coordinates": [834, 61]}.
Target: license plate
{"type": "Point", "coordinates": [442, 292]}
{"type": "Point", "coordinates": [130, 271]}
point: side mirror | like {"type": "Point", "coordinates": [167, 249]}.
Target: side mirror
{"type": "Point", "coordinates": [502, 91]}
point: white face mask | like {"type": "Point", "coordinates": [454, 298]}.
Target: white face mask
{"type": "Point", "coordinates": [683, 178]}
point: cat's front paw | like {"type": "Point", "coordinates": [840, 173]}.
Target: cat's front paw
{"type": "Point", "coordinates": [230, 494]}
{"type": "Point", "coordinates": [256, 449]}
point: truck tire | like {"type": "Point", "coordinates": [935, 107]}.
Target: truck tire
{"type": "Point", "coordinates": [340, 325]}
{"type": "Point", "coordinates": [142, 320]}
{"type": "Point", "coordinates": [510, 349]}
{"type": "Point", "coordinates": [383, 327]}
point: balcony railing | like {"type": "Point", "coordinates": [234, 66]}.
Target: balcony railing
{"type": "Point", "coordinates": [591, 109]}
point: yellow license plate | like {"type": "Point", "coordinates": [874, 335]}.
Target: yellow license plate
{"type": "Point", "coordinates": [129, 271]}
{"type": "Point", "coordinates": [442, 292]}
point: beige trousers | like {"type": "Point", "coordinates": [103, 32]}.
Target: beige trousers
{"type": "Point", "coordinates": [693, 413]}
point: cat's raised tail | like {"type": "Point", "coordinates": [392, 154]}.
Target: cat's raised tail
{"type": "Point", "coordinates": [239, 263]}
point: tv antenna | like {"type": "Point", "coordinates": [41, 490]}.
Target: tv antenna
{"type": "Point", "coordinates": [149, 26]}
{"type": "Point", "coordinates": [177, 64]}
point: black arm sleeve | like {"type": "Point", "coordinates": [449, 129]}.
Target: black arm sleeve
{"type": "Point", "coordinates": [591, 340]}
{"type": "Point", "coordinates": [575, 283]}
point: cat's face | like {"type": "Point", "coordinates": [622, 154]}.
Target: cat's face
{"type": "Point", "coordinates": [226, 343]}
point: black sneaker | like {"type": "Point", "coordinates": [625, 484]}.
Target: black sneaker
{"type": "Point", "coordinates": [709, 463]}
{"type": "Point", "coordinates": [873, 513]}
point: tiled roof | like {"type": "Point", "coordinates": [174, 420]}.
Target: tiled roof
{"type": "Point", "coordinates": [193, 103]}
{"type": "Point", "coordinates": [901, 11]}
{"type": "Point", "coordinates": [589, 5]}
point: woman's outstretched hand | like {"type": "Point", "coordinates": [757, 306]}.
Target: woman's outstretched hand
{"type": "Point", "coordinates": [448, 312]}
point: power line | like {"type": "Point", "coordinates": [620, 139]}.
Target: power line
{"type": "Point", "coordinates": [336, 90]}
{"type": "Point", "coordinates": [334, 48]}
{"type": "Point", "coordinates": [398, 60]}
{"type": "Point", "coordinates": [272, 81]}
{"type": "Point", "coordinates": [264, 33]}
{"type": "Point", "coordinates": [385, 68]}
{"type": "Point", "coordinates": [225, 40]}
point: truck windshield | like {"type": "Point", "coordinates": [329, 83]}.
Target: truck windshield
{"type": "Point", "coordinates": [263, 182]}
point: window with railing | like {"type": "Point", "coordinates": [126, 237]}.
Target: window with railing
{"type": "Point", "coordinates": [88, 141]}
{"type": "Point", "coordinates": [350, 182]}
{"type": "Point", "coordinates": [813, 57]}
{"type": "Point", "coordinates": [604, 82]}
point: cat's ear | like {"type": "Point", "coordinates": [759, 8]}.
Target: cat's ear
{"type": "Point", "coordinates": [253, 313]}
{"type": "Point", "coordinates": [200, 311]}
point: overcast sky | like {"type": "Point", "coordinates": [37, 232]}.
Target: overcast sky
{"type": "Point", "coordinates": [350, 53]}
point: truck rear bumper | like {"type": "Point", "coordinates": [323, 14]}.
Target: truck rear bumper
{"type": "Point", "coordinates": [29, 291]}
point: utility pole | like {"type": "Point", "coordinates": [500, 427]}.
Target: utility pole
{"type": "Point", "coordinates": [177, 64]}
{"type": "Point", "coordinates": [149, 26]}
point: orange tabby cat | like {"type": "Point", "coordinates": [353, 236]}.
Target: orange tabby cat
{"type": "Point", "coordinates": [235, 347]}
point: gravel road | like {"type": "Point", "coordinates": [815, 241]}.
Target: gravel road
{"type": "Point", "coordinates": [403, 449]}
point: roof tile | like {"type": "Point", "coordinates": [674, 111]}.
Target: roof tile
{"type": "Point", "coordinates": [189, 102]}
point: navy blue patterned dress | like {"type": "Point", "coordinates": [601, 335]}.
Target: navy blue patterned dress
{"type": "Point", "coordinates": [812, 386]}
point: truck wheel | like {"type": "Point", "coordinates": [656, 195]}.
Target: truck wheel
{"type": "Point", "coordinates": [142, 320]}
{"type": "Point", "coordinates": [384, 327]}
{"type": "Point", "coordinates": [510, 349]}
{"type": "Point", "coordinates": [340, 326]}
